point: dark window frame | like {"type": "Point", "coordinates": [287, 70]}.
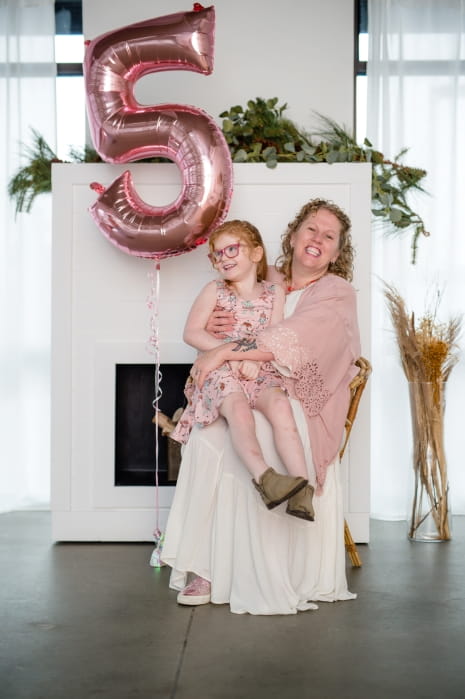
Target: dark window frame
{"type": "Point", "coordinates": [75, 8]}
{"type": "Point", "coordinates": [361, 27]}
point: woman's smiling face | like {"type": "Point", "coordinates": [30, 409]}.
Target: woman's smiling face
{"type": "Point", "coordinates": [316, 243]}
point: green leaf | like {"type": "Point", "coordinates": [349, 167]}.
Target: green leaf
{"type": "Point", "coordinates": [395, 215]}
{"type": "Point", "coordinates": [377, 157]}
{"type": "Point", "coordinates": [227, 125]}
{"type": "Point", "coordinates": [289, 147]}
{"type": "Point", "coordinates": [332, 156]}
{"type": "Point", "coordinates": [240, 156]}
{"type": "Point", "coordinates": [269, 152]}
{"type": "Point", "coordinates": [386, 198]}
{"type": "Point", "coordinates": [309, 150]}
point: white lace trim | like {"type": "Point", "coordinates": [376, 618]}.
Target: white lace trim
{"type": "Point", "coordinates": [284, 344]}
{"type": "Point", "coordinates": [309, 384]}
{"type": "Point", "coordinates": [310, 388]}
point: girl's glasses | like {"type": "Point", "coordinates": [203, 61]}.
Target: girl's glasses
{"type": "Point", "coordinates": [229, 251]}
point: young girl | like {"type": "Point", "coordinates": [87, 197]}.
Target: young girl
{"type": "Point", "coordinates": [235, 388]}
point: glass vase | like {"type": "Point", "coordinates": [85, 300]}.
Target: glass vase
{"type": "Point", "coordinates": [430, 517]}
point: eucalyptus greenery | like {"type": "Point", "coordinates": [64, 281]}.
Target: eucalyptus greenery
{"type": "Point", "coordinates": [36, 177]}
{"type": "Point", "coordinates": [261, 133]}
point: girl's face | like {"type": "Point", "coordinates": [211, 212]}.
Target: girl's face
{"type": "Point", "coordinates": [316, 242]}
{"type": "Point", "coordinates": [233, 258]}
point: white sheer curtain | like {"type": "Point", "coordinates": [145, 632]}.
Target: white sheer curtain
{"type": "Point", "coordinates": [27, 99]}
{"type": "Point", "coordinates": [416, 99]}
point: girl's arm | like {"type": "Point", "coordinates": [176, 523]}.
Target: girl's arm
{"type": "Point", "coordinates": [195, 333]}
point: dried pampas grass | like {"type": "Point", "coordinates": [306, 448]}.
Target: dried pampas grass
{"type": "Point", "coordinates": [428, 352]}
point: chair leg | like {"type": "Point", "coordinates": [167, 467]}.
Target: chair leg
{"type": "Point", "coordinates": [351, 547]}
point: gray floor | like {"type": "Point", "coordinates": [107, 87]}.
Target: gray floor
{"type": "Point", "coordinates": [95, 620]}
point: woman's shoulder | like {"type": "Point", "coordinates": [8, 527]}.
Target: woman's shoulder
{"type": "Point", "coordinates": [274, 276]}
{"type": "Point", "coordinates": [329, 288]}
{"type": "Point", "coordinates": [337, 283]}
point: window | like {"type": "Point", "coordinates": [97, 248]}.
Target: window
{"type": "Point", "coordinates": [360, 71]}
{"type": "Point", "coordinates": [70, 94]}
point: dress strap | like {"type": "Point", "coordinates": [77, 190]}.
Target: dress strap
{"type": "Point", "coordinates": [225, 297]}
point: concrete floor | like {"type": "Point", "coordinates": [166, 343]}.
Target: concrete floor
{"type": "Point", "coordinates": [95, 620]}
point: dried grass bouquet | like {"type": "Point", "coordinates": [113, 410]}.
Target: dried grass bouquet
{"type": "Point", "coordinates": [428, 351]}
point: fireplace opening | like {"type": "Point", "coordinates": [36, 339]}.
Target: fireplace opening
{"type": "Point", "coordinates": [135, 460]}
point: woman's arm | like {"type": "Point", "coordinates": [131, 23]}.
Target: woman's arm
{"type": "Point", "coordinates": [230, 351]}
{"type": "Point", "coordinates": [195, 333]}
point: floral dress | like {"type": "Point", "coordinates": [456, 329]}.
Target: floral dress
{"type": "Point", "coordinates": [250, 318]}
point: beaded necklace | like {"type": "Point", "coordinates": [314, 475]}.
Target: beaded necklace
{"type": "Point", "coordinates": [291, 288]}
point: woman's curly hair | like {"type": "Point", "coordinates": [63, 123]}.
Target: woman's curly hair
{"type": "Point", "coordinates": [343, 267]}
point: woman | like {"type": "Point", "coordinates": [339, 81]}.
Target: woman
{"type": "Point", "coordinates": [219, 528]}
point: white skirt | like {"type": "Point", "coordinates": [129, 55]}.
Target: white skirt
{"type": "Point", "coordinates": [259, 561]}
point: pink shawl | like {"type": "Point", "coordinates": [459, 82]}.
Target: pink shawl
{"type": "Point", "coordinates": [319, 344]}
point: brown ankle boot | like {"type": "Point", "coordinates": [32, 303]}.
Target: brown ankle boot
{"type": "Point", "coordinates": [300, 505]}
{"type": "Point", "coordinates": [275, 487]}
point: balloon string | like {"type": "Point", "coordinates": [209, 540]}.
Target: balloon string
{"type": "Point", "coordinates": [153, 346]}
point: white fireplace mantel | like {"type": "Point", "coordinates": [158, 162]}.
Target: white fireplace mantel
{"type": "Point", "coordinates": [100, 318]}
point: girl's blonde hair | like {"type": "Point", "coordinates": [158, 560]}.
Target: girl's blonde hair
{"type": "Point", "coordinates": [248, 234]}
{"type": "Point", "coordinates": [343, 266]}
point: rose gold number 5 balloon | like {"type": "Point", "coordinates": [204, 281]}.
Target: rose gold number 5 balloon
{"type": "Point", "coordinates": [123, 131]}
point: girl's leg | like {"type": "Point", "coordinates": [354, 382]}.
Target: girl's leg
{"type": "Point", "coordinates": [275, 406]}
{"type": "Point", "coordinates": [238, 414]}
{"type": "Point", "coordinates": [273, 487]}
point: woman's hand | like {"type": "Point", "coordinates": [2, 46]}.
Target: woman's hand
{"type": "Point", "coordinates": [220, 323]}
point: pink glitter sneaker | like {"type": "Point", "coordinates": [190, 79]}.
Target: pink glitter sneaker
{"type": "Point", "coordinates": [197, 592]}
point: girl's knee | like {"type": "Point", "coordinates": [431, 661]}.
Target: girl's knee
{"type": "Point", "coordinates": [236, 405]}
{"type": "Point", "coordinates": [276, 403]}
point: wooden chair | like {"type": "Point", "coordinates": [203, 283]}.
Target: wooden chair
{"type": "Point", "coordinates": [357, 387]}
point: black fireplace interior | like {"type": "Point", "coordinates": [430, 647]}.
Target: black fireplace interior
{"type": "Point", "coordinates": [135, 460]}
